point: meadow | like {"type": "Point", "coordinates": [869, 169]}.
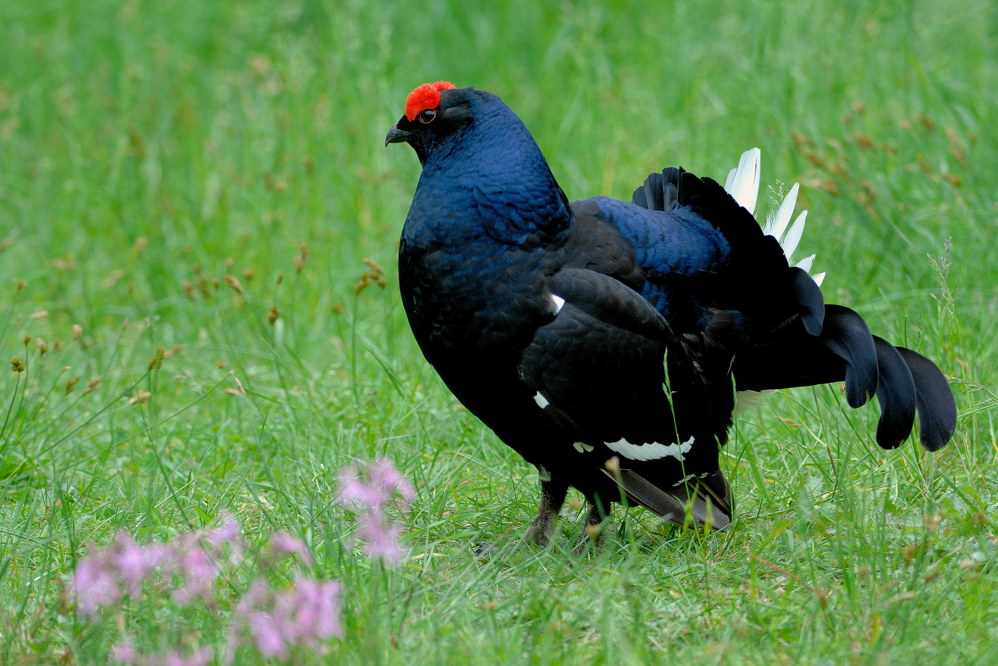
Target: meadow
{"type": "Point", "coordinates": [198, 300]}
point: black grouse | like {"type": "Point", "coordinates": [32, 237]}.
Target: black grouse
{"type": "Point", "coordinates": [604, 340]}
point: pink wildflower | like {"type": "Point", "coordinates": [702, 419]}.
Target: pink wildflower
{"type": "Point", "coordinates": [201, 657]}
{"type": "Point", "coordinates": [104, 577]}
{"type": "Point", "coordinates": [282, 543]}
{"type": "Point", "coordinates": [199, 570]}
{"type": "Point", "coordinates": [381, 541]}
{"type": "Point", "coordinates": [311, 611]}
{"type": "Point", "coordinates": [199, 557]}
{"type": "Point", "coordinates": [135, 563]}
{"type": "Point", "coordinates": [383, 473]}
{"type": "Point", "coordinates": [302, 616]}
{"type": "Point", "coordinates": [95, 583]}
{"type": "Point", "coordinates": [125, 653]}
{"type": "Point", "coordinates": [353, 493]}
{"type": "Point", "coordinates": [368, 498]}
{"type": "Point", "coordinates": [229, 533]}
{"type": "Point", "coordinates": [267, 636]}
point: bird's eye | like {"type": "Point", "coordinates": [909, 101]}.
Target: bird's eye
{"type": "Point", "coordinates": [426, 116]}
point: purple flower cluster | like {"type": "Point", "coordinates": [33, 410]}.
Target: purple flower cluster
{"type": "Point", "coordinates": [191, 564]}
{"type": "Point", "coordinates": [283, 544]}
{"type": "Point", "coordinates": [279, 620]}
{"type": "Point", "coordinates": [276, 619]}
{"type": "Point", "coordinates": [194, 558]}
{"type": "Point", "coordinates": [368, 494]}
{"type": "Point", "coordinates": [125, 653]}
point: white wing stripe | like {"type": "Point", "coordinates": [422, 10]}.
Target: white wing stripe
{"type": "Point", "coordinates": [652, 450]}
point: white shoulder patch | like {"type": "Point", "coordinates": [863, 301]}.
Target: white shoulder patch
{"type": "Point", "coordinates": [541, 401]}
{"type": "Point", "coordinates": [557, 301]}
{"type": "Point", "coordinates": [652, 450]}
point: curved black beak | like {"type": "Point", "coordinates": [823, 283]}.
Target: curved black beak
{"type": "Point", "coordinates": [396, 135]}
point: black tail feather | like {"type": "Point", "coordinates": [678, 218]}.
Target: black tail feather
{"type": "Point", "coordinates": [896, 394]}
{"type": "Point", "coordinates": [847, 336]}
{"type": "Point", "coordinates": [905, 382]}
{"type": "Point", "coordinates": [798, 360]}
{"type": "Point", "coordinates": [709, 497]}
{"type": "Point", "coordinates": [843, 351]}
{"type": "Point", "coordinates": [758, 278]}
{"type": "Point", "coordinates": [645, 493]}
{"type": "Point", "coordinates": [660, 190]}
{"type": "Point", "coordinates": [933, 399]}
{"type": "Point", "coordinates": [806, 294]}
{"type": "Point", "coordinates": [824, 343]}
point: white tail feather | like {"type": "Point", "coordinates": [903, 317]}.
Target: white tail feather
{"type": "Point", "coordinates": [777, 224]}
{"type": "Point", "coordinates": [806, 263]}
{"type": "Point", "coordinates": [743, 185]}
{"type": "Point", "coordinates": [743, 181]}
{"type": "Point", "coordinates": [792, 239]}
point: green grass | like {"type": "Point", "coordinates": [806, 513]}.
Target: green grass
{"type": "Point", "coordinates": [171, 172]}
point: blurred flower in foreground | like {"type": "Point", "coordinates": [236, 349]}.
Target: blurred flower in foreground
{"type": "Point", "coordinates": [273, 620]}
{"type": "Point", "coordinates": [125, 653]}
{"type": "Point", "coordinates": [283, 543]}
{"type": "Point", "coordinates": [190, 565]}
{"type": "Point", "coordinates": [104, 577]}
{"type": "Point", "coordinates": [367, 494]}
{"type": "Point", "coordinates": [304, 615]}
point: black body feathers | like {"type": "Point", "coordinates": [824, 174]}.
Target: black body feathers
{"type": "Point", "coordinates": [603, 340]}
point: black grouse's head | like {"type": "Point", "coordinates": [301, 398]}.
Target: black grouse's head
{"type": "Point", "coordinates": [434, 112]}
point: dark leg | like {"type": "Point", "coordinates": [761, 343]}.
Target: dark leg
{"type": "Point", "coordinates": [594, 523]}
{"type": "Point", "coordinates": [552, 497]}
